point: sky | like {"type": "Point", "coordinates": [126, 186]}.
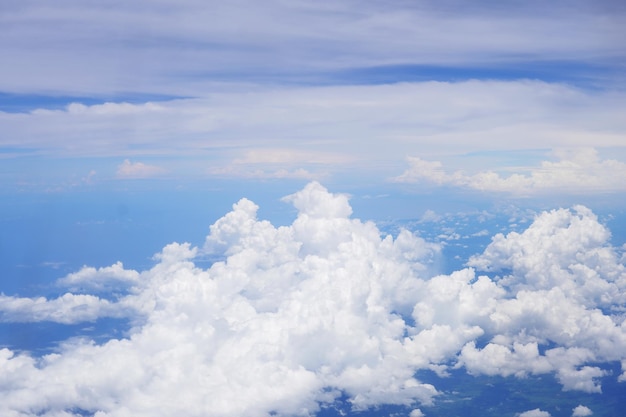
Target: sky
{"type": "Point", "coordinates": [325, 208]}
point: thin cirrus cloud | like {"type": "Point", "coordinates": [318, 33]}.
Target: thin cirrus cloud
{"type": "Point", "coordinates": [577, 172]}
{"type": "Point", "coordinates": [365, 83]}
{"type": "Point", "coordinates": [265, 173]}
{"type": "Point", "coordinates": [323, 308]}
{"type": "Point", "coordinates": [91, 48]}
{"type": "Point", "coordinates": [281, 164]}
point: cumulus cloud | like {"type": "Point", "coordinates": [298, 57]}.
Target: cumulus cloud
{"type": "Point", "coordinates": [128, 169]}
{"type": "Point", "coordinates": [67, 309]}
{"type": "Point", "coordinates": [534, 413]}
{"type": "Point", "coordinates": [292, 318]}
{"type": "Point", "coordinates": [102, 279]}
{"type": "Point", "coordinates": [562, 249]}
{"type": "Point", "coordinates": [580, 171]}
{"type": "Point", "coordinates": [581, 411]}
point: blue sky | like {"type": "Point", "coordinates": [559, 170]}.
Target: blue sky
{"type": "Point", "coordinates": [493, 133]}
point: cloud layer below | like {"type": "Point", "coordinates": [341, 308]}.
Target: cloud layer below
{"type": "Point", "coordinates": [291, 318]}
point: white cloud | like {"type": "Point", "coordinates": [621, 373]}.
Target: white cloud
{"type": "Point", "coordinates": [430, 216]}
{"type": "Point", "coordinates": [416, 413]}
{"type": "Point", "coordinates": [234, 171]}
{"type": "Point", "coordinates": [141, 48]}
{"type": "Point", "coordinates": [129, 169]}
{"type": "Point", "coordinates": [290, 156]}
{"type": "Point", "coordinates": [562, 249]}
{"type": "Point", "coordinates": [363, 131]}
{"type": "Point", "coordinates": [581, 411]}
{"type": "Point", "coordinates": [583, 172]}
{"type": "Point", "coordinates": [281, 164]}
{"type": "Point", "coordinates": [67, 309]}
{"type": "Point", "coordinates": [296, 316]}
{"type": "Point", "coordinates": [534, 413]}
{"type": "Point", "coordinates": [102, 279]}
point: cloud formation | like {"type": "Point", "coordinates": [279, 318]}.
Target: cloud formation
{"type": "Point", "coordinates": [534, 413]}
{"type": "Point", "coordinates": [128, 169]}
{"type": "Point", "coordinates": [577, 172]}
{"type": "Point", "coordinates": [291, 318]}
{"type": "Point", "coordinates": [142, 49]}
{"type": "Point", "coordinates": [361, 131]}
{"type": "Point", "coordinates": [581, 411]}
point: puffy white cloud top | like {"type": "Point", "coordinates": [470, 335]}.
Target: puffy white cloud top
{"type": "Point", "coordinates": [291, 318]}
{"type": "Point", "coordinates": [581, 411]}
{"type": "Point", "coordinates": [535, 413]}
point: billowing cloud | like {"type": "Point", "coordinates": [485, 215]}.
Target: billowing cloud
{"type": "Point", "coordinates": [128, 169]}
{"type": "Point", "coordinates": [581, 411]}
{"type": "Point", "coordinates": [534, 413]}
{"type": "Point", "coordinates": [289, 319]}
{"type": "Point", "coordinates": [102, 279]}
{"type": "Point", "coordinates": [67, 309]}
{"type": "Point", "coordinates": [578, 172]}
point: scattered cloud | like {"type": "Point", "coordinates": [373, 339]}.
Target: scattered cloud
{"type": "Point", "coordinates": [67, 309]}
{"type": "Point", "coordinates": [581, 411]}
{"type": "Point", "coordinates": [294, 317]}
{"type": "Point", "coordinates": [128, 170]}
{"type": "Point", "coordinates": [430, 216]}
{"type": "Point", "coordinates": [108, 278]}
{"type": "Point", "coordinates": [577, 172]}
{"type": "Point", "coordinates": [534, 413]}
{"type": "Point", "coordinates": [362, 129]}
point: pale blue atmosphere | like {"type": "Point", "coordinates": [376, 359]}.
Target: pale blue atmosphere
{"type": "Point", "coordinates": [297, 208]}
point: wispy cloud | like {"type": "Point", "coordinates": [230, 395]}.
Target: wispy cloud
{"type": "Point", "coordinates": [128, 169]}
{"type": "Point", "coordinates": [88, 48]}
{"type": "Point", "coordinates": [363, 129]}
{"type": "Point", "coordinates": [291, 156]}
{"type": "Point", "coordinates": [236, 171]}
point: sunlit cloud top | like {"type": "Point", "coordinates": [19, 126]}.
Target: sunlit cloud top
{"type": "Point", "coordinates": [294, 317]}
